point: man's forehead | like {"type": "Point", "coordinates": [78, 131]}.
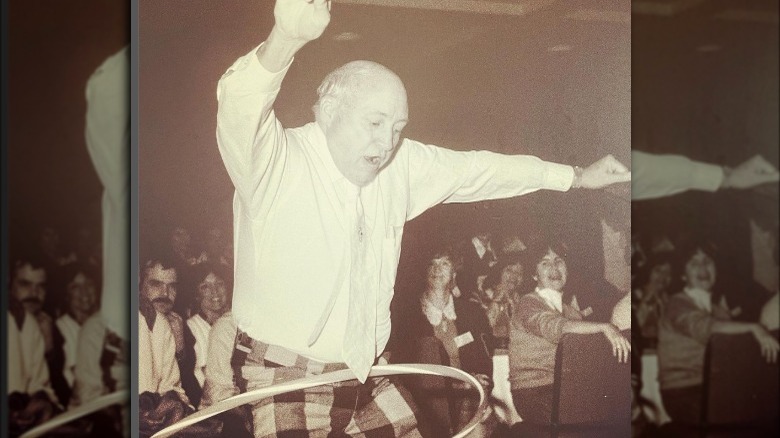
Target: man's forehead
{"type": "Point", "coordinates": [80, 278]}
{"type": "Point", "coordinates": [158, 272]}
{"type": "Point", "coordinates": [27, 272]}
{"type": "Point", "coordinates": [700, 254]}
{"type": "Point", "coordinates": [212, 278]}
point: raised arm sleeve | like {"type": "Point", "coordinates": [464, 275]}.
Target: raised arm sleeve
{"type": "Point", "coordinates": [108, 143]}
{"type": "Point", "coordinates": [251, 140]}
{"type": "Point", "coordinates": [657, 176]}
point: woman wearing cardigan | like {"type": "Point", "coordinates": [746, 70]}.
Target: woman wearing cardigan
{"type": "Point", "coordinates": [538, 324]}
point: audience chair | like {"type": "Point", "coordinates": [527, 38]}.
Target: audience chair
{"type": "Point", "coordinates": [740, 391]}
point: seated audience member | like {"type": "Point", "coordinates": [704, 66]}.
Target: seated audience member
{"type": "Point", "coordinates": [476, 258]}
{"type": "Point", "coordinates": [181, 244]}
{"type": "Point", "coordinates": [447, 332]}
{"type": "Point", "coordinates": [174, 307]}
{"type": "Point", "coordinates": [691, 317]}
{"type": "Point", "coordinates": [512, 244]}
{"type": "Point", "coordinates": [651, 295]}
{"type": "Point", "coordinates": [216, 247]}
{"type": "Point", "coordinates": [539, 322]}
{"type": "Point", "coordinates": [212, 300]}
{"type": "Point", "coordinates": [31, 400]}
{"type": "Point", "coordinates": [38, 306]}
{"type": "Point", "coordinates": [81, 295]}
{"type": "Point", "coordinates": [499, 294]}
{"type": "Point", "coordinates": [162, 400]}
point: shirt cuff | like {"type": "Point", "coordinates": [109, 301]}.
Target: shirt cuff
{"type": "Point", "coordinates": [706, 177]}
{"type": "Point", "coordinates": [248, 68]}
{"type": "Point", "coordinates": [558, 177]}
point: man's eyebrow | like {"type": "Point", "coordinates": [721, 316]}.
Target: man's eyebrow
{"type": "Point", "coordinates": [386, 115]}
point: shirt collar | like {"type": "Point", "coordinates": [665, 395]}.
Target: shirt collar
{"type": "Point", "coordinates": [434, 314]}
{"type": "Point", "coordinates": [552, 297]}
{"type": "Point", "coordinates": [701, 298]}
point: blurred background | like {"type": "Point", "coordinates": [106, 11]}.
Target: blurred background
{"type": "Point", "coordinates": [53, 48]}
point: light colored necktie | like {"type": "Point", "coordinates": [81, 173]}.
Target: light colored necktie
{"type": "Point", "coordinates": [359, 349]}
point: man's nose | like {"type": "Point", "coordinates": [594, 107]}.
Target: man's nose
{"type": "Point", "coordinates": [386, 141]}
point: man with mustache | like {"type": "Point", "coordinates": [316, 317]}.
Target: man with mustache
{"type": "Point", "coordinates": [31, 398]}
{"type": "Point", "coordinates": [162, 398]}
{"type": "Point", "coordinates": [334, 196]}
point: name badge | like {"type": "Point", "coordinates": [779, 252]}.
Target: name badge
{"type": "Point", "coordinates": [464, 339]}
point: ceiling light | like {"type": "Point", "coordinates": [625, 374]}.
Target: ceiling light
{"type": "Point", "coordinates": [560, 48]}
{"type": "Point", "coordinates": [347, 36]}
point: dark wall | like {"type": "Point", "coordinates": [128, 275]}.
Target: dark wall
{"type": "Point", "coordinates": [53, 48]}
{"type": "Point", "coordinates": [707, 87]}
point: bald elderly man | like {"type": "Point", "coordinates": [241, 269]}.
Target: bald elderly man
{"type": "Point", "coordinates": [318, 216]}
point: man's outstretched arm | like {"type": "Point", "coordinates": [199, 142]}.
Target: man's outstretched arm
{"type": "Point", "coordinates": [658, 176]}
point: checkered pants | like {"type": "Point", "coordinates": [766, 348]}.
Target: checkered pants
{"type": "Point", "coordinates": [377, 408]}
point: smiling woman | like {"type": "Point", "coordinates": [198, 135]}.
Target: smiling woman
{"type": "Point", "coordinates": [538, 325]}
{"type": "Point", "coordinates": [689, 320]}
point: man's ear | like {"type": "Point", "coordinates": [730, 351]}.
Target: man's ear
{"type": "Point", "coordinates": [328, 107]}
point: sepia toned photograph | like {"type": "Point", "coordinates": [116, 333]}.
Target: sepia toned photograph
{"type": "Point", "coordinates": [705, 218]}
{"type": "Point", "coordinates": [384, 218]}
{"type": "Point", "coordinates": [67, 151]}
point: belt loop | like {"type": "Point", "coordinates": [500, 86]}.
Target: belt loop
{"type": "Point", "coordinates": [242, 347]}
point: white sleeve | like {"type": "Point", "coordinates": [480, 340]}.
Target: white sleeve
{"type": "Point", "coordinates": [656, 176]}
{"type": "Point", "coordinates": [251, 140]}
{"type": "Point", "coordinates": [108, 143]}
{"type": "Point", "coordinates": [439, 175]}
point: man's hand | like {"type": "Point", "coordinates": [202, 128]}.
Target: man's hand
{"type": "Point", "coordinates": [40, 408]}
{"type": "Point", "coordinates": [302, 20]}
{"type": "Point", "coordinates": [768, 343]}
{"type": "Point", "coordinates": [602, 173]}
{"type": "Point", "coordinates": [297, 23]}
{"type": "Point", "coordinates": [753, 172]}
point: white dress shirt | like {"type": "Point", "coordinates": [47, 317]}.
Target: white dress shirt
{"type": "Point", "coordinates": [70, 332]}
{"type": "Point", "coordinates": [27, 369]}
{"type": "Point", "coordinates": [88, 371]}
{"type": "Point", "coordinates": [108, 143]}
{"type": "Point", "coordinates": [290, 220]}
{"type": "Point", "coordinates": [158, 371]}
{"type": "Point", "coordinates": [200, 329]}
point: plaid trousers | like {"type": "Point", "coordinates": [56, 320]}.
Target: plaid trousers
{"type": "Point", "coordinates": [376, 409]}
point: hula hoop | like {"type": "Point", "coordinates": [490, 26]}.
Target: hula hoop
{"type": "Point", "coordinates": [118, 397]}
{"type": "Point", "coordinates": [330, 378]}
